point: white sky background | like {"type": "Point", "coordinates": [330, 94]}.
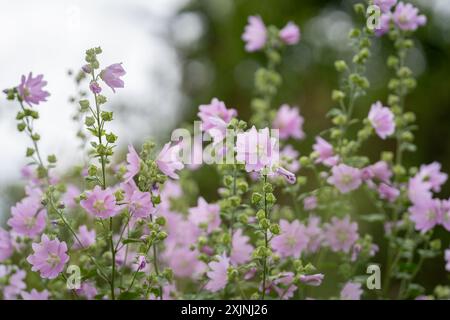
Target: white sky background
{"type": "Point", "coordinates": [51, 36]}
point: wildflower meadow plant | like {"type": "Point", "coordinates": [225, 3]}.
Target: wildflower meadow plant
{"type": "Point", "coordinates": [282, 225]}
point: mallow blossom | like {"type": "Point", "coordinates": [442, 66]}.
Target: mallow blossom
{"type": "Point", "coordinates": [351, 291]}
{"type": "Point", "coordinates": [35, 295]}
{"type": "Point", "coordinates": [341, 234]}
{"type": "Point", "coordinates": [447, 260]}
{"type": "Point", "coordinates": [205, 214]}
{"type": "Point", "coordinates": [133, 164]}
{"type": "Point", "coordinates": [140, 204]}
{"type": "Point", "coordinates": [6, 246]}
{"type": "Point", "coordinates": [100, 203]}
{"type": "Point", "coordinates": [290, 34]}
{"type": "Point", "coordinates": [407, 17]}
{"type": "Point", "coordinates": [432, 174]}
{"type": "Point", "coordinates": [289, 122]}
{"type": "Point", "coordinates": [31, 89]}
{"type": "Point", "coordinates": [218, 274]}
{"type": "Point", "coordinates": [314, 280]}
{"type": "Point", "coordinates": [112, 74]}
{"type": "Point", "coordinates": [345, 178]}
{"type": "Point", "coordinates": [382, 120]}
{"type": "Point", "coordinates": [241, 249]}
{"type": "Point", "coordinates": [385, 5]}
{"type": "Point", "coordinates": [168, 160]}
{"type": "Point", "coordinates": [215, 118]}
{"type": "Point", "coordinates": [28, 218]}
{"type": "Point", "coordinates": [325, 153]}
{"type": "Point", "coordinates": [291, 241]}
{"type": "Point", "coordinates": [86, 238]}
{"type": "Point", "coordinates": [49, 257]}
{"type": "Point", "coordinates": [255, 34]}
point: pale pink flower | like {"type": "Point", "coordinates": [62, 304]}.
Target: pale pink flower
{"type": "Point", "coordinates": [289, 158]}
{"type": "Point", "coordinates": [111, 76]}
{"type": "Point", "coordinates": [314, 233]}
{"type": "Point", "coordinates": [140, 204]}
{"type": "Point", "coordinates": [95, 87]}
{"type": "Point", "coordinates": [314, 280]}
{"type": "Point", "coordinates": [168, 160]}
{"type": "Point", "coordinates": [284, 285]}
{"type": "Point", "coordinates": [384, 24]}
{"type": "Point", "coordinates": [310, 203]}
{"type": "Point", "coordinates": [205, 214]}
{"type": "Point", "coordinates": [419, 190]}
{"type": "Point", "coordinates": [184, 262]}
{"type": "Point", "coordinates": [289, 122]}
{"type": "Point", "coordinates": [133, 164]}
{"type": "Point", "coordinates": [15, 285]}
{"type": "Point", "coordinates": [426, 215]}
{"type": "Point", "coordinates": [385, 5]}
{"type": "Point", "coordinates": [218, 274]}
{"type": "Point", "coordinates": [291, 241]}
{"type": "Point", "coordinates": [257, 149]}
{"type": "Point", "coordinates": [30, 89]}
{"type": "Point", "coordinates": [35, 295]}
{"type": "Point", "coordinates": [215, 117]}
{"type": "Point", "coordinates": [86, 237]}
{"type": "Point", "coordinates": [387, 192]}
{"type": "Point", "coordinates": [255, 34]}
{"type": "Point", "coordinates": [100, 203]}
{"type": "Point", "coordinates": [6, 246]}
{"type": "Point", "coordinates": [379, 170]}
{"type": "Point", "coordinates": [407, 17]}
{"type": "Point", "coordinates": [49, 257]}
{"type": "Point", "coordinates": [87, 290]}
{"type": "Point", "coordinates": [382, 120]}
{"type": "Point", "coordinates": [432, 173]}
{"type": "Point", "coordinates": [351, 291]}
{"type": "Point", "coordinates": [325, 152]}
{"type": "Point", "coordinates": [341, 234]}
{"type": "Point", "coordinates": [447, 259]}
{"type": "Point", "coordinates": [445, 214]}
{"type": "Point", "coordinates": [28, 218]}
{"type": "Point", "coordinates": [241, 249]}
{"type": "Point", "coordinates": [345, 178]}
{"type": "Point", "coordinates": [290, 34]}
{"type": "Point", "coordinates": [69, 196]}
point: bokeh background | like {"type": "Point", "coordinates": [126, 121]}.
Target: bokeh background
{"type": "Point", "coordinates": [180, 53]}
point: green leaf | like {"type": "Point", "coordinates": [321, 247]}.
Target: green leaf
{"type": "Point", "coordinates": [374, 217]}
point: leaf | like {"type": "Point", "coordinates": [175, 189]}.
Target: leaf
{"type": "Point", "coordinates": [374, 217]}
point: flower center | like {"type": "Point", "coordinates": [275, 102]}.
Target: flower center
{"type": "Point", "coordinates": [346, 179]}
{"type": "Point", "coordinates": [99, 205]}
{"type": "Point", "coordinates": [291, 241]}
{"type": "Point", "coordinates": [30, 222]}
{"type": "Point", "coordinates": [342, 235]}
{"type": "Point", "coordinates": [53, 260]}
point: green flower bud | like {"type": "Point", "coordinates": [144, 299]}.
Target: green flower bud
{"type": "Point", "coordinates": [409, 117]}
{"type": "Point", "coordinates": [305, 161]}
{"type": "Point", "coordinates": [340, 66]}
{"type": "Point", "coordinates": [29, 152]}
{"type": "Point", "coordinates": [161, 221]}
{"type": "Point", "coordinates": [399, 170]}
{"type": "Point", "coordinates": [256, 197]}
{"type": "Point", "coordinates": [107, 116]}
{"type": "Point", "coordinates": [270, 198]}
{"type": "Point", "coordinates": [267, 188]}
{"type": "Point", "coordinates": [111, 138]}
{"type": "Point", "coordinates": [392, 62]}
{"type": "Point", "coordinates": [407, 136]}
{"type": "Point", "coordinates": [101, 99]}
{"type": "Point", "coordinates": [92, 170]}
{"type": "Point", "coordinates": [119, 195]}
{"type": "Point", "coordinates": [260, 215]}
{"type": "Point", "coordinates": [275, 229]}
{"type": "Point", "coordinates": [36, 137]}
{"type": "Point", "coordinates": [84, 104]}
{"type": "Point", "coordinates": [89, 121]}
{"type": "Point", "coordinates": [162, 235]}
{"type": "Point", "coordinates": [339, 120]}
{"type": "Point", "coordinates": [242, 186]}
{"type": "Point", "coordinates": [337, 95]}
{"type": "Point", "coordinates": [228, 180]}
{"type": "Point", "coordinates": [51, 158]}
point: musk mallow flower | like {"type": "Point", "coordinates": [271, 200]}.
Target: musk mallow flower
{"type": "Point", "coordinates": [241, 249]}
{"type": "Point", "coordinates": [255, 34]}
{"type": "Point", "coordinates": [69, 196]}
{"type": "Point", "coordinates": [49, 257]}
{"type": "Point", "coordinates": [133, 164]}
{"type": "Point", "coordinates": [111, 76]}
{"type": "Point", "coordinates": [388, 192]}
{"type": "Point", "coordinates": [87, 290]}
{"type": "Point", "coordinates": [426, 214]}
{"type": "Point", "coordinates": [379, 171]}
{"type": "Point", "coordinates": [15, 285]}
{"type": "Point", "coordinates": [345, 178]}
{"type": "Point", "coordinates": [445, 214]}
{"type": "Point", "coordinates": [385, 5]}
{"type": "Point", "coordinates": [140, 204]}
{"type": "Point", "coordinates": [215, 118]}
{"type": "Point", "coordinates": [310, 203]}
{"type": "Point", "coordinates": [382, 120]}
{"type": "Point", "coordinates": [325, 153]}
{"type": "Point", "coordinates": [6, 246]}
{"type": "Point", "coordinates": [419, 190]}
{"type": "Point", "coordinates": [384, 24]}
{"type": "Point", "coordinates": [289, 122]}
{"type": "Point", "coordinates": [28, 218]}
{"type": "Point", "coordinates": [85, 236]}
{"type": "Point", "coordinates": [256, 149]}
{"type": "Point", "coordinates": [407, 17]}
{"type": "Point", "coordinates": [30, 89]}
{"type": "Point", "coordinates": [314, 280]}
{"type": "Point", "coordinates": [289, 158]}
{"type": "Point", "coordinates": [447, 260]}
{"type": "Point", "coordinates": [290, 34]}
{"type": "Point", "coordinates": [184, 262]}
{"type": "Point", "coordinates": [284, 285]}
{"type": "Point", "coordinates": [341, 234]}
{"type": "Point", "coordinates": [168, 160]}
{"type": "Point", "coordinates": [218, 274]}
{"type": "Point", "coordinates": [432, 173]}
{"type": "Point", "coordinates": [292, 239]}
{"type": "Point", "coordinates": [205, 214]}
{"type": "Point", "coordinates": [35, 295]}
{"type": "Point", "coordinates": [314, 233]}
{"type": "Point", "coordinates": [351, 291]}
{"type": "Point", "coordinates": [100, 203]}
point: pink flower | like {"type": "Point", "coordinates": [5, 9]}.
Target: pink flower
{"type": "Point", "coordinates": [168, 160]}
{"type": "Point", "coordinates": [289, 122]}
{"type": "Point", "coordinates": [205, 214]}
{"type": "Point", "coordinates": [382, 120]}
{"type": "Point", "coordinates": [325, 153]}
{"type": "Point", "coordinates": [95, 87]}
{"type": "Point", "coordinates": [133, 164]}
{"type": "Point", "coordinates": [88, 290]}
{"type": "Point", "coordinates": [28, 218]}
{"type": "Point", "coordinates": [432, 173]}
{"type": "Point", "coordinates": [447, 259]}
{"type": "Point", "coordinates": [141, 262]}
{"type": "Point", "coordinates": [218, 274]}
{"type": "Point", "coordinates": [15, 286]}
{"type": "Point", "coordinates": [215, 116]}
{"type": "Point", "coordinates": [140, 204]}
{"type": "Point", "coordinates": [6, 246]}
{"type": "Point", "coordinates": [407, 17]}
{"type": "Point", "coordinates": [426, 215]}
{"type": "Point", "coordinates": [290, 34]}
{"type": "Point", "coordinates": [351, 291]}
{"type": "Point", "coordinates": [100, 203]}
{"type": "Point", "coordinates": [184, 262]}
{"type": "Point", "coordinates": [384, 24]}
{"type": "Point", "coordinates": [284, 285]}
{"type": "Point", "coordinates": [286, 174]}
{"type": "Point", "coordinates": [69, 196]}
{"type": "Point", "coordinates": [314, 280]}
{"type": "Point", "coordinates": [241, 250]}
{"type": "Point", "coordinates": [379, 170]}
{"type": "Point", "coordinates": [35, 295]}
{"type": "Point", "coordinates": [289, 158]}
{"type": "Point", "coordinates": [291, 241]}
{"type": "Point", "coordinates": [256, 149]}
{"type": "Point", "coordinates": [387, 192]}
{"type": "Point", "coordinates": [49, 257]}
{"type": "Point", "coordinates": [345, 178]}
{"type": "Point", "coordinates": [310, 203]}
{"type": "Point", "coordinates": [314, 234]}
{"type": "Point", "coordinates": [341, 234]}
{"type": "Point", "coordinates": [111, 76]}
{"type": "Point", "coordinates": [30, 89]}
{"type": "Point", "coordinates": [419, 190]}
{"type": "Point", "coordinates": [86, 237]}
{"type": "Point", "coordinates": [255, 34]}
{"type": "Point", "coordinates": [445, 214]}
{"type": "Point", "coordinates": [385, 5]}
